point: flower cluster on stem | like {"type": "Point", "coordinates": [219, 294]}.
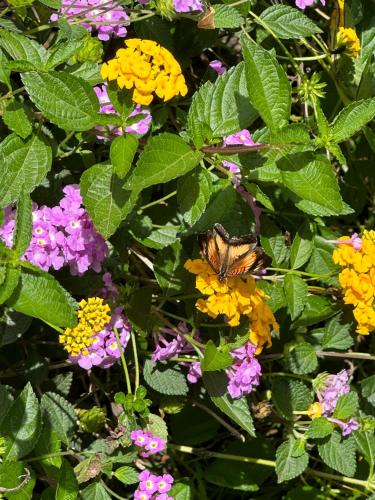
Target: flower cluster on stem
{"type": "Point", "coordinates": [61, 235]}
{"type": "Point", "coordinates": [357, 278]}
{"type": "Point", "coordinates": [147, 68]}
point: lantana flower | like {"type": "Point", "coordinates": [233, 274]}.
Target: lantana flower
{"type": "Point", "coordinates": [107, 18]}
{"type": "Point", "coordinates": [148, 68]}
{"type": "Point", "coordinates": [148, 443]}
{"type": "Point", "coordinates": [302, 4]}
{"type": "Point", "coordinates": [63, 235]}
{"type": "Point", "coordinates": [329, 388]}
{"type": "Point", "coordinates": [141, 127]}
{"type": "Point", "coordinates": [232, 298]}
{"type": "Point", "coordinates": [357, 259]}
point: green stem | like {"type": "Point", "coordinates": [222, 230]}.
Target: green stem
{"type": "Point", "coordinates": [347, 355]}
{"type": "Point", "coordinates": [302, 273]}
{"type": "Point", "coordinates": [267, 463]}
{"type": "Point", "coordinates": [50, 455]}
{"type": "Point", "coordinates": [12, 93]}
{"type": "Point", "coordinates": [111, 492]}
{"type": "Point", "coordinates": [123, 362]}
{"type": "Point", "coordinates": [286, 51]}
{"type": "Point", "coordinates": [136, 363]}
{"type": "Point", "coordinates": [157, 202]}
{"type": "Point", "coordinates": [290, 375]}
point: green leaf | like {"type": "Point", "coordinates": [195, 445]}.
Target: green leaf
{"type": "Point", "coordinates": [273, 243]}
{"type": "Point", "coordinates": [169, 268]}
{"type": "Point", "coordinates": [302, 245]}
{"type": "Point", "coordinates": [95, 491]}
{"type": "Point", "coordinates": [107, 203]}
{"type": "Point", "coordinates": [23, 228]}
{"type": "Point", "coordinates": [226, 16]}
{"type": "Point", "coordinates": [62, 52]}
{"type": "Point", "coordinates": [317, 309]}
{"type": "Point", "coordinates": [17, 118]}
{"type": "Point", "coordinates": [339, 453]}
{"type": "Point", "coordinates": [127, 474]}
{"type": "Point", "coordinates": [180, 491]}
{"type": "Point", "coordinates": [287, 22]}
{"type": "Point", "coordinates": [19, 47]}
{"type": "Point", "coordinates": [351, 119]}
{"type": "Point", "coordinates": [267, 84]}
{"type": "Point", "coordinates": [214, 359]}
{"type": "Point", "coordinates": [13, 326]}
{"type": "Point", "coordinates": [60, 414]}
{"type": "Point", "coordinates": [12, 277]}
{"type": "Point", "coordinates": [49, 444]}
{"type": "Point", "coordinates": [193, 194]}
{"type": "Point", "coordinates": [166, 379]}
{"type": "Point", "coordinates": [300, 171]}
{"type": "Point", "coordinates": [157, 426]}
{"type": "Point", "coordinates": [366, 445]}
{"type": "Point", "coordinates": [296, 291]}
{"type": "Point", "coordinates": [66, 100]}
{"type": "Point", "coordinates": [12, 475]}
{"type": "Point", "coordinates": [290, 395]}
{"type": "Point", "coordinates": [239, 475]}
{"type": "Point", "coordinates": [346, 406]}
{"type": "Point", "coordinates": [21, 425]}
{"type": "Point", "coordinates": [287, 465]}
{"type": "Point", "coordinates": [221, 108]}
{"type": "Point", "coordinates": [337, 335]}
{"type": "Point", "coordinates": [321, 262]}
{"type": "Point", "coordinates": [301, 358]}
{"type": "Point", "coordinates": [368, 389]}
{"type": "Point", "coordinates": [6, 401]}
{"type": "Point", "coordinates": [320, 428]}
{"type": "Point", "coordinates": [89, 468]}
{"type": "Point", "coordinates": [122, 153]}
{"type": "Point", "coordinates": [165, 157]}
{"type": "Point", "coordinates": [221, 203]}
{"type": "Point", "coordinates": [67, 486]}
{"type": "Point", "coordinates": [41, 296]}
{"type": "Point", "coordinates": [25, 163]}
{"type": "Point", "coordinates": [236, 409]}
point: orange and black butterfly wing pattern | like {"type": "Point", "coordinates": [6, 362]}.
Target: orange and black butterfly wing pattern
{"type": "Point", "coordinates": [251, 262]}
{"type": "Point", "coordinates": [230, 257]}
{"type": "Point", "coordinates": [214, 248]}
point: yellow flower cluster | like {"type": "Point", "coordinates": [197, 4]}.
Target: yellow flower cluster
{"type": "Point", "coordinates": [233, 297]}
{"type": "Point", "coordinates": [148, 68]}
{"type": "Point", "coordinates": [358, 279]}
{"type": "Point", "coordinates": [93, 315]}
{"type": "Point", "coordinates": [347, 37]}
{"type": "Point", "coordinates": [315, 410]}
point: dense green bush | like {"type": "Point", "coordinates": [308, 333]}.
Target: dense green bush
{"type": "Point", "coordinates": [132, 364]}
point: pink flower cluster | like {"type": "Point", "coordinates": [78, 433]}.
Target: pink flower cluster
{"type": "Point", "coordinates": [152, 487]}
{"type": "Point", "coordinates": [334, 387]}
{"type": "Point", "coordinates": [188, 6]}
{"type": "Point", "coordinates": [107, 17]}
{"type": "Point", "coordinates": [245, 372]}
{"type": "Point", "coordinates": [140, 127]}
{"type": "Point", "coordinates": [61, 235]}
{"type": "Point", "coordinates": [147, 442]}
{"type": "Point", "coordinates": [302, 4]}
{"type": "Point", "coordinates": [104, 351]}
{"type": "Point", "coordinates": [168, 348]}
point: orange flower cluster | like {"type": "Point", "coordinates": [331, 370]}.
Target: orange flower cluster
{"type": "Point", "coordinates": [358, 279]}
{"type": "Point", "coordinates": [148, 68]}
{"type": "Point", "coordinates": [233, 297]}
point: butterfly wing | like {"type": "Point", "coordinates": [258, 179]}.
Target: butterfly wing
{"type": "Point", "coordinates": [250, 262]}
{"type": "Point", "coordinates": [214, 246]}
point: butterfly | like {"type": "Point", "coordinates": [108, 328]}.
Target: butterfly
{"type": "Point", "coordinates": [232, 256]}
